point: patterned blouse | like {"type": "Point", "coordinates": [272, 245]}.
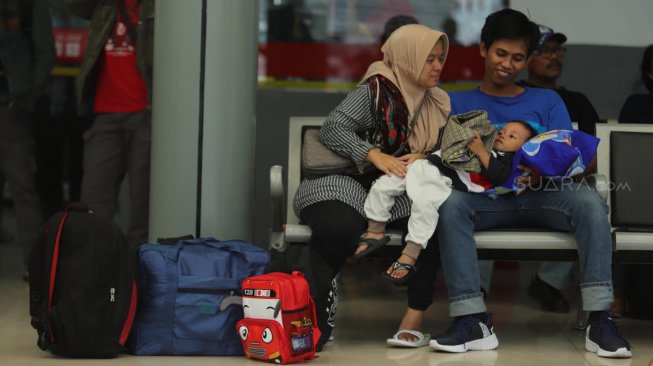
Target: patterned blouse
{"type": "Point", "coordinates": [340, 132]}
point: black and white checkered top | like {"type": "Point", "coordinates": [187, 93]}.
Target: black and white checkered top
{"type": "Point", "coordinates": [340, 132]}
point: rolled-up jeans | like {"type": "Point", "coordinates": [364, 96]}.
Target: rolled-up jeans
{"type": "Point", "coordinates": [571, 207]}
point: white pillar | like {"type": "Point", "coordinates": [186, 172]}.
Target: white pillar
{"type": "Point", "coordinates": [225, 167]}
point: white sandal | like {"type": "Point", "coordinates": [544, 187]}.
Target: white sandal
{"type": "Point", "coordinates": [421, 341]}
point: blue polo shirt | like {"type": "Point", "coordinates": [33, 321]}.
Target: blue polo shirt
{"type": "Point", "coordinates": [542, 108]}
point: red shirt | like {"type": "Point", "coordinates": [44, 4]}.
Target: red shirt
{"type": "Point", "coordinates": [120, 86]}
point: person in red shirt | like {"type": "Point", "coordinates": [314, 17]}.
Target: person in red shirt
{"type": "Point", "coordinates": [115, 85]}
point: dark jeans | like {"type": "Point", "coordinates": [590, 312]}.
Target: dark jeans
{"type": "Point", "coordinates": [336, 230]}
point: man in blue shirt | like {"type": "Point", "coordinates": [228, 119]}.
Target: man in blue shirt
{"type": "Point", "coordinates": [507, 39]}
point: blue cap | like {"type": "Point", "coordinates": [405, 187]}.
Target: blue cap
{"type": "Point", "coordinates": [547, 33]}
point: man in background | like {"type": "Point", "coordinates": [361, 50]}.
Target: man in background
{"type": "Point", "coordinates": [544, 68]}
{"type": "Point", "coordinates": [115, 85]}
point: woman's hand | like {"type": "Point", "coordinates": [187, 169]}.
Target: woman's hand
{"type": "Point", "coordinates": [410, 158]}
{"type": "Point", "coordinates": [387, 163]}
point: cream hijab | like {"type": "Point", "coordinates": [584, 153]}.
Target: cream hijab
{"type": "Point", "coordinates": [404, 56]}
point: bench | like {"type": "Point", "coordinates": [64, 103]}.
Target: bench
{"type": "Point", "coordinates": [623, 157]}
{"type": "Point", "coordinates": [543, 245]}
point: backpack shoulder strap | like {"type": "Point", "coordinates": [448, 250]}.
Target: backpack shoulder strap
{"type": "Point", "coordinates": [42, 272]}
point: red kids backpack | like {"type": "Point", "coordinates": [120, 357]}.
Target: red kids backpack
{"type": "Point", "coordinates": [280, 324]}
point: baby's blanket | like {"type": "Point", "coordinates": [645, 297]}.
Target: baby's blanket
{"type": "Point", "coordinates": [555, 154]}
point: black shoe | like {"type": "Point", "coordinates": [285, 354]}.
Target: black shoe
{"type": "Point", "coordinates": [326, 306]}
{"type": "Point", "coordinates": [603, 338]}
{"type": "Point", "coordinates": [466, 334]}
{"type": "Point", "coordinates": [549, 297]}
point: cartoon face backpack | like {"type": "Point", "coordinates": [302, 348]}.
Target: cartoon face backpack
{"type": "Point", "coordinates": [280, 325]}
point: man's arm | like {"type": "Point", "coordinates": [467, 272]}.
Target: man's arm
{"type": "Point", "coordinates": [558, 115]}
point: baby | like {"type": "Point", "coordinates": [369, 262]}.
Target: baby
{"type": "Point", "coordinates": [428, 184]}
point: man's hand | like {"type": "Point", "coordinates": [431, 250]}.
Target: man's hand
{"type": "Point", "coordinates": [591, 169]}
{"type": "Point", "coordinates": [387, 163]}
{"type": "Point", "coordinates": [532, 180]}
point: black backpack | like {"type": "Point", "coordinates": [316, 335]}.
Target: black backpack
{"type": "Point", "coordinates": [82, 288]}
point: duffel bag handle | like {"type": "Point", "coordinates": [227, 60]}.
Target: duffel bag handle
{"type": "Point", "coordinates": [253, 257]}
{"type": "Point", "coordinates": [174, 240]}
{"type": "Point", "coordinates": [256, 258]}
{"type": "Point", "coordinates": [217, 244]}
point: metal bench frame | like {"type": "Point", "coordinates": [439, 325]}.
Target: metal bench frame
{"type": "Point", "coordinates": [540, 245]}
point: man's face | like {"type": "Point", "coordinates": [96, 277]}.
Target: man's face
{"type": "Point", "coordinates": [546, 63]}
{"type": "Point", "coordinates": [504, 60]}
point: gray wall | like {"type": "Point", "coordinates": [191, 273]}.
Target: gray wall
{"type": "Point", "coordinates": [607, 75]}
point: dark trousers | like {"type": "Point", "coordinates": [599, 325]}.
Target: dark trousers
{"type": "Point", "coordinates": [17, 165]}
{"type": "Point", "coordinates": [58, 146]}
{"type": "Point", "coordinates": [118, 144]}
{"type": "Point", "coordinates": [336, 230]}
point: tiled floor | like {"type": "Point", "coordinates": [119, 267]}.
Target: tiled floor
{"type": "Point", "coordinates": [368, 312]}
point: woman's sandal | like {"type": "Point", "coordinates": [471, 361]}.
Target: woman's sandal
{"type": "Point", "coordinates": [405, 266]}
{"type": "Point", "coordinates": [372, 245]}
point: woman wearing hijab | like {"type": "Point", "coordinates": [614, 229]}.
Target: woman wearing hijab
{"type": "Point", "coordinates": [370, 125]}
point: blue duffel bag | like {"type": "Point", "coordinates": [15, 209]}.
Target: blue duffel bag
{"type": "Point", "coordinates": [189, 296]}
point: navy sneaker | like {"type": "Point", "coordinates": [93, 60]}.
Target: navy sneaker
{"type": "Point", "coordinates": [603, 338]}
{"type": "Point", "coordinates": [467, 333]}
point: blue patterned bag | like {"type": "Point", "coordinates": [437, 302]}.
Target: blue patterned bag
{"type": "Point", "coordinates": [555, 154]}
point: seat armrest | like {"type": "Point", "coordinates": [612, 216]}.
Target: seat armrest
{"type": "Point", "coordinates": [276, 181]}
{"type": "Point", "coordinates": [277, 196]}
